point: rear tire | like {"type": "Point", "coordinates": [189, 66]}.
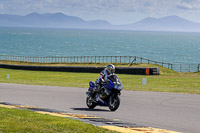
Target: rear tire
{"type": "Point", "coordinates": [114, 102]}
{"type": "Point", "coordinates": [90, 103]}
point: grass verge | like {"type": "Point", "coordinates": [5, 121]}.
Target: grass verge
{"type": "Point", "coordinates": [15, 120]}
{"type": "Point", "coordinates": [168, 81]}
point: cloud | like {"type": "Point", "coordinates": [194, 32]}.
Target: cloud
{"type": "Point", "coordinates": [131, 10]}
{"type": "Point", "coordinates": [115, 11]}
{"type": "Point", "coordinates": [147, 4]}
{"type": "Point", "coordinates": [1, 7]}
{"type": "Point", "coordinates": [189, 5]}
{"type": "Point", "coordinates": [84, 6]}
{"type": "Point", "coordinates": [183, 7]}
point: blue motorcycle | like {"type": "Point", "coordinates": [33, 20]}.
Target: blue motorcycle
{"type": "Point", "coordinates": [108, 94]}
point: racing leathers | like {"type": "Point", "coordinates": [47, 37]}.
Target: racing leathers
{"type": "Point", "coordinates": [102, 78]}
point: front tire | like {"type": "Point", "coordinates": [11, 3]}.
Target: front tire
{"type": "Point", "coordinates": [114, 102]}
{"type": "Point", "coordinates": [90, 103]}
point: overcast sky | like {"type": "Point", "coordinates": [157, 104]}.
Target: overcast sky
{"type": "Point", "coordinates": [114, 11]}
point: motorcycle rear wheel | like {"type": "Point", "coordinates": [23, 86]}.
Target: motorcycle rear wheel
{"type": "Point", "coordinates": [90, 103]}
{"type": "Point", "coordinates": [114, 102]}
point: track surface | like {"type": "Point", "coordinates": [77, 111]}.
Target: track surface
{"type": "Point", "coordinates": [178, 112]}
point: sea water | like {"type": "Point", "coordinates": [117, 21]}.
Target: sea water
{"type": "Point", "coordinates": [171, 47]}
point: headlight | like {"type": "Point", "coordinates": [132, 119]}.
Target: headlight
{"type": "Point", "coordinates": [116, 86]}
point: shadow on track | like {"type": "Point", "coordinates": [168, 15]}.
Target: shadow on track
{"type": "Point", "coordinates": [87, 109]}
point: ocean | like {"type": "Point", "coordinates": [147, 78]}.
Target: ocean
{"type": "Point", "coordinates": [169, 47]}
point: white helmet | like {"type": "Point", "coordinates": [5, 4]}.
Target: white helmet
{"type": "Point", "coordinates": [110, 68]}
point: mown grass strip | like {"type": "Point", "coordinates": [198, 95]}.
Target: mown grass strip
{"type": "Point", "coordinates": [166, 82]}
{"type": "Point", "coordinates": [15, 120]}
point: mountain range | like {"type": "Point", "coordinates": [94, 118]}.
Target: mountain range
{"type": "Point", "coordinates": [56, 20]}
{"type": "Point", "coordinates": [60, 20]}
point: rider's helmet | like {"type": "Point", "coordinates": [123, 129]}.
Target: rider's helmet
{"type": "Point", "coordinates": [110, 68]}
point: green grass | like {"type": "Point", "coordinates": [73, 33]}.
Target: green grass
{"type": "Point", "coordinates": [24, 121]}
{"type": "Point", "coordinates": [168, 81]}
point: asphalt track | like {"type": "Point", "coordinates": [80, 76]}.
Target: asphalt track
{"type": "Point", "coordinates": [178, 112]}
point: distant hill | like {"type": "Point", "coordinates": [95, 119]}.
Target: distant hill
{"type": "Point", "coordinates": [60, 20]}
{"type": "Point", "coordinates": [168, 23]}
{"type": "Point", "coordinates": [57, 20]}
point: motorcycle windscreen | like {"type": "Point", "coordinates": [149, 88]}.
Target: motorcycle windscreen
{"type": "Point", "coordinates": [115, 82]}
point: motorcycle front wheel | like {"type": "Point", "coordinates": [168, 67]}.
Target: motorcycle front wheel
{"type": "Point", "coordinates": [114, 102]}
{"type": "Point", "coordinates": [90, 103]}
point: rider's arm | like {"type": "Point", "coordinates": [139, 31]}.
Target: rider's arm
{"type": "Point", "coordinates": [101, 78]}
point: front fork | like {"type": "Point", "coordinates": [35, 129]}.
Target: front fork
{"type": "Point", "coordinates": [90, 94]}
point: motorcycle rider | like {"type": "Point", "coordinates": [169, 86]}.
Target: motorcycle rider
{"type": "Point", "coordinates": [105, 91]}
{"type": "Point", "coordinates": [110, 69]}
